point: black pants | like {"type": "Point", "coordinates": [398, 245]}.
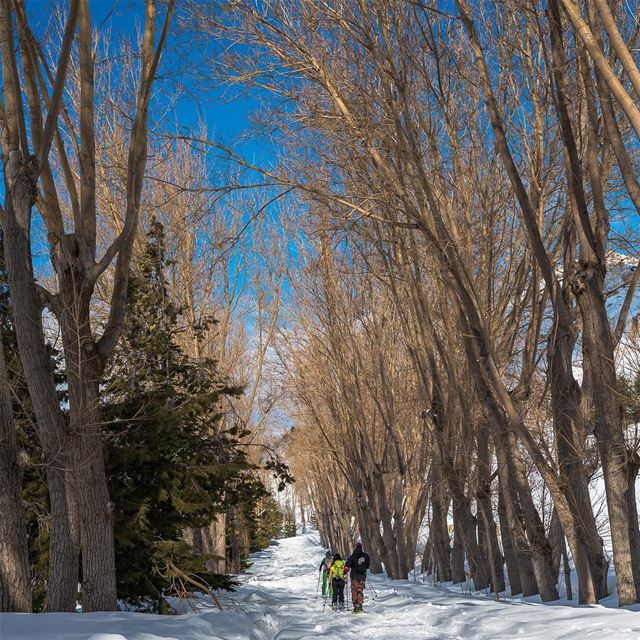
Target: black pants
{"type": "Point", "coordinates": [338, 590]}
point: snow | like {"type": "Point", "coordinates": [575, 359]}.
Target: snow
{"type": "Point", "coordinates": [277, 601]}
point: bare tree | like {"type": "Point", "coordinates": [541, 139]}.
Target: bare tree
{"type": "Point", "coordinates": [480, 203]}
{"type": "Point", "coordinates": [81, 509]}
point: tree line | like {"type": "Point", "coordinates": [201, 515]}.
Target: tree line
{"type": "Point", "coordinates": [463, 339]}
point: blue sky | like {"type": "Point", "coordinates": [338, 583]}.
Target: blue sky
{"type": "Point", "coordinates": [224, 112]}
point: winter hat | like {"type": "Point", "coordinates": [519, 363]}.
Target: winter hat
{"type": "Point", "coordinates": [328, 554]}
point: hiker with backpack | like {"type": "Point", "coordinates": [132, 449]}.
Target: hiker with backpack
{"type": "Point", "coordinates": [337, 579]}
{"type": "Point", "coordinates": [357, 566]}
{"type": "Point", "coordinates": [325, 566]}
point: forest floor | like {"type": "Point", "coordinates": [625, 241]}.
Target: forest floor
{"type": "Point", "coordinates": [277, 601]}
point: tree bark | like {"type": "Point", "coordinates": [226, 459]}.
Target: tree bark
{"type": "Point", "coordinates": [487, 523]}
{"type": "Point", "coordinates": [367, 542]}
{"type": "Point", "coordinates": [556, 540]}
{"type": "Point", "coordinates": [216, 532]}
{"type": "Point", "coordinates": [611, 445]}
{"type": "Point", "coordinates": [84, 369]}
{"type": "Point", "coordinates": [458, 574]}
{"type": "Point", "coordinates": [587, 548]}
{"type": "Point", "coordinates": [428, 564]}
{"type": "Point", "coordinates": [466, 523]}
{"type": "Point", "coordinates": [235, 550]}
{"type": "Point", "coordinates": [633, 466]}
{"type": "Point", "coordinates": [526, 582]}
{"type": "Point", "coordinates": [534, 527]}
{"type": "Point", "coordinates": [510, 556]}
{"type": "Point", "coordinates": [439, 531]}
{"type": "Point", "coordinates": [20, 190]}
{"type": "Point", "coordinates": [567, 571]}
{"type": "Point", "coordinates": [15, 583]}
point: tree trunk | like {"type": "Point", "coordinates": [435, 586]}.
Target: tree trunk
{"type": "Point", "coordinates": [403, 535]}
{"type": "Point", "coordinates": [463, 519]}
{"type": "Point", "coordinates": [511, 559]}
{"type": "Point", "coordinates": [567, 571]}
{"type": "Point", "coordinates": [391, 555]}
{"type": "Point", "coordinates": [465, 522]}
{"type": "Point", "coordinates": [632, 473]}
{"type": "Point", "coordinates": [235, 551]}
{"type": "Point", "coordinates": [541, 551]}
{"type": "Point", "coordinates": [488, 537]}
{"type": "Point", "coordinates": [209, 541]}
{"type": "Point", "coordinates": [218, 543]}
{"type": "Point", "coordinates": [15, 583]}
{"type": "Point", "coordinates": [458, 574]}
{"type": "Point", "coordinates": [193, 537]}
{"type": "Point", "coordinates": [427, 564]}
{"type": "Point", "coordinates": [95, 509]}
{"type": "Point", "coordinates": [487, 523]}
{"type": "Point", "coordinates": [369, 527]}
{"type": "Point", "coordinates": [556, 540]}
{"type": "Point", "coordinates": [38, 371]}
{"type": "Point", "coordinates": [492, 555]}
{"type": "Point", "coordinates": [526, 582]}
{"type": "Point", "coordinates": [611, 445]}
{"type": "Point", "coordinates": [439, 531]}
{"type": "Point", "coordinates": [587, 545]}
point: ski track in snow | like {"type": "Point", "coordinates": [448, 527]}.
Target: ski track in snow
{"type": "Point", "coordinates": [277, 601]}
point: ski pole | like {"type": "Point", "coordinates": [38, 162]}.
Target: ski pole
{"type": "Point", "coordinates": [324, 599]}
{"type": "Point", "coordinates": [318, 585]}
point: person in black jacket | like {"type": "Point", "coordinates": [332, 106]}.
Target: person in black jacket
{"type": "Point", "coordinates": [358, 563]}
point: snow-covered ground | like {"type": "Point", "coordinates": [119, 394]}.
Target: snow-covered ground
{"type": "Point", "coordinates": [277, 601]}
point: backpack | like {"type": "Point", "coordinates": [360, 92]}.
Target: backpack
{"type": "Point", "coordinates": [338, 569]}
{"type": "Point", "coordinates": [359, 564]}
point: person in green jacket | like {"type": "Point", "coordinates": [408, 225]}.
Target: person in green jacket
{"type": "Point", "coordinates": [338, 580]}
{"type": "Point", "coordinates": [325, 567]}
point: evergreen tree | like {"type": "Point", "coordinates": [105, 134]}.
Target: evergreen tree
{"type": "Point", "coordinates": [264, 523]}
{"type": "Point", "coordinates": [172, 463]}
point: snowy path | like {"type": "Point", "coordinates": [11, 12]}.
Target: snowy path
{"type": "Point", "coordinates": [277, 602]}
